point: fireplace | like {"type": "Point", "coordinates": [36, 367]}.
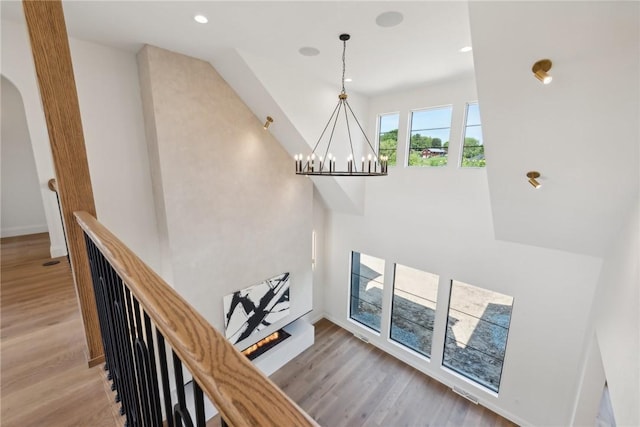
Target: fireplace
{"type": "Point", "coordinates": [265, 344]}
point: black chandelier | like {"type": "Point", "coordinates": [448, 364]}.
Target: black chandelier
{"type": "Point", "coordinates": [325, 165]}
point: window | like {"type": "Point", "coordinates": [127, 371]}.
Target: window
{"type": "Point", "coordinates": [413, 308]}
{"type": "Point", "coordinates": [429, 142]}
{"type": "Point", "coordinates": [388, 136]}
{"type": "Point", "coordinates": [367, 279]}
{"type": "Point", "coordinates": [473, 148]}
{"type": "Point", "coordinates": [476, 337]}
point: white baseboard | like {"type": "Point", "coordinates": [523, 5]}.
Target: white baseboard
{"type": "Point", "coordinates": [314, 317]}
{"type": "Point", "coordinates": [23, 230]}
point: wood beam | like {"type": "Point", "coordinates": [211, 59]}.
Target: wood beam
{"type": "Point", "coordinates": [52, 58]}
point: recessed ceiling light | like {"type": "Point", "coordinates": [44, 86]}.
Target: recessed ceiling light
{"type": "Point", "coordinates": [466, 49]}
{"type": "Point", "coordinates": [308, 51]}
{"type": "Point", "coordinates": [201, 19]}
{"type": "Point", "coordinates": [348, 80]}
{"type": "Point", "coordinates": [389, 19]}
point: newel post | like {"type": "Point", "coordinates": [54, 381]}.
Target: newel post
{"type": "Point", "coordinates": [52, 59]}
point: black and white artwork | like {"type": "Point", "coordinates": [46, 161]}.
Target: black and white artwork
{"type": "Point", "coordinates": [254, 308]}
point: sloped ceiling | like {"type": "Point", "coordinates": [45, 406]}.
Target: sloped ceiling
{"type": "Point", "coordinates": [423, 48]}
{"type": "Point", "coordinates": [581, 132]}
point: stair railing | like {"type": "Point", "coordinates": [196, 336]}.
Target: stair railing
{"type": "Point", "coordinates": [143, 321]}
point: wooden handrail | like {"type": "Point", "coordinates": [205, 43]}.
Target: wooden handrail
{"type": "Point", "coordinates": [242, 394]}
{"type": "Point", "coordinates": [53, 185]}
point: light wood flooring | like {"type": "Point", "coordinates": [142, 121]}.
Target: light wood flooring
{"type": "Point", "coordinates": [45, 380]}
{"type": "Point", "coordinates": [342, 381]}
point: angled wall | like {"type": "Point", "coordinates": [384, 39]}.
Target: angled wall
{"type": "Point", "coordinates": [234, 212]}
{"type": "Point", "coordinates": [300, 106]}
{"type": "Point", "coordinates": [617, 320]}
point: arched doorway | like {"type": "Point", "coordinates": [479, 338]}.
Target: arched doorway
{"type": "Point", "coordinates": [22, 210]}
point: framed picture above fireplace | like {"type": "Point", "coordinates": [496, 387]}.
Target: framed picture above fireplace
{"type": "Point", "coordinates": [254, 308]}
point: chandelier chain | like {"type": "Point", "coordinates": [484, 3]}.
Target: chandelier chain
{"type": "Point", "coordinates": [325, 165]}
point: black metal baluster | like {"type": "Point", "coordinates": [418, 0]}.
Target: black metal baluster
{"type": "Point", "coordinates": [124, 337]}
{"type": "Point", "coordinates": [128, 327]}
{"type": "Point", "coordinates": [97, 265]}
{"type": "Point", "coordinates": [180, 411]}
{"type": "Point", "coordinates": [106, 345]}
{"type": "Point", "coordinates": [198, 399]}
{"type": "Point", "coordinates": [107, 337]}
{"type": "Point", "coordinates": [154, 395]}
{"type": "Point", "coordinates": [116, 376]}
{"type": "Point", "coordinates": [164, 374]}
{"type": "Point", "coordinates": [120, 347]}
{"type": "Point", "coordinates": [141, 369]}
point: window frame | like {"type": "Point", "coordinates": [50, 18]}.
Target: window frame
{"type": "Point", "coordinates": [468, 377]}
{"type": "Point", "coordinates": [410, 134]}
{"type": "Point", "coordinates": [379, 133]}
{"type": "Point", "coordinates": [464, 136]}
{"type": "Point", "coordinates": [350, 296]}
{"type": "Point", "coordinates": [400, 344]}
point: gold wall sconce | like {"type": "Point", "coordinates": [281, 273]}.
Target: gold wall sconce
{"type": "Point", "coordinates": [532, 178]}
{"type": "Point", "coordinates": [268, 122]}
{"type": "Point", "coordinates": [541, 69]}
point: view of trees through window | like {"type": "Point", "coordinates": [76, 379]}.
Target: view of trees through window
{"type": "Point", "coordinates": [367, 280]}
{"type": "Point", "coordinates": [388, 136]}
{"type": "Point", "coordinates": [413, 308]}
{"type": "Point", "coordinates": [429, 142]}
{"type": "Point", "coordinates": [473, 147]}
{"type": "Point", "coordinates": [477, 330]}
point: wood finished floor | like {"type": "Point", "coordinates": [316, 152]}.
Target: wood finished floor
{"type": "Point", "coordinates": [342, 381]}
{"type": "Point", "coordinates": [44, 376]}
{"type": "Point", "coordinates": [339, 381]}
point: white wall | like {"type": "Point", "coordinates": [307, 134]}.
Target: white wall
{"type": "Point", "coordinates": [22, 211]}
{"type": "Point", "coordinates": [113, 125]}
{"type": "Point", "coordinates": [439, 220]}
{"type": "Point", "coordinates": [111, 112]}
{"type": "Point", "coordinates": [235, 212]}
{"type": "Point", "coordinates": [320, 213]}
{"type": "Point", "coordinates": [591, 386]}
{"type": "Point", "coordinates": [17, 66]}
{"type": "Point", "coordinates": [617, 320]}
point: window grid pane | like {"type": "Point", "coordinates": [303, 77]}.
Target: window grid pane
{"type": "Point", "coordinates": [413, 308]}
{"type": "Point", "coordinates": [477, 330]}
{"type": "Point", "coordinates": [429, 141]}
{"type": "Point", "coordinates": [367, 279]}
{"type": "Point", "coordinates": [473, 145]}
{"type": "Point", "coordinates": [388, 136]}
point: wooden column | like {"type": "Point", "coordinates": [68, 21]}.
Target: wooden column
{"type": "Point", "coordinates": [52, 58]}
